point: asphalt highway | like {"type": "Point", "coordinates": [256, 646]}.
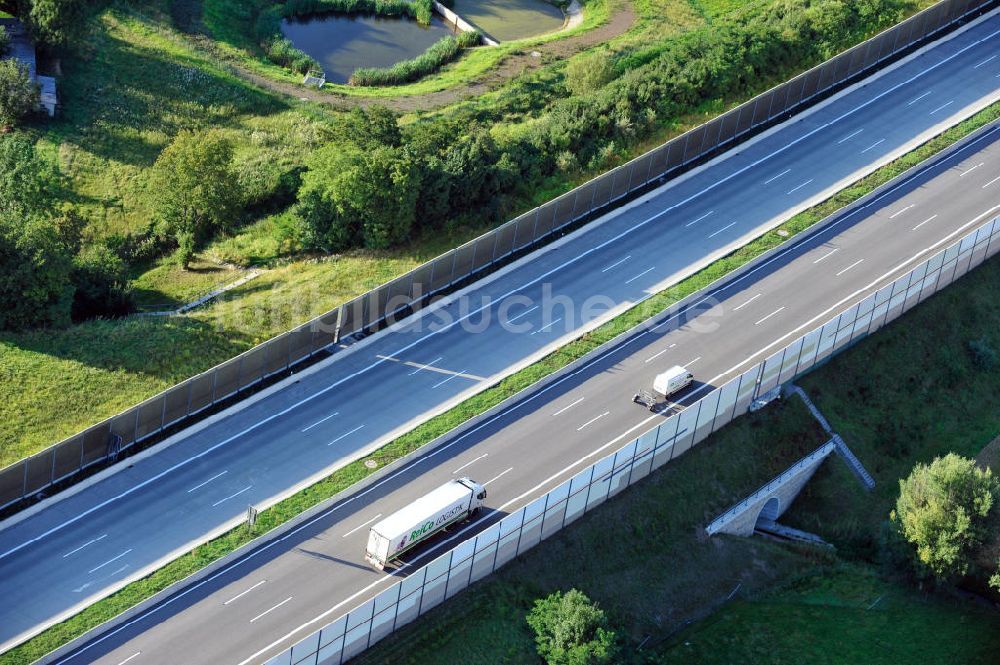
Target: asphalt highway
{"type": "Point", "coordinates": [80, 548]}
{"type": "Point", "coordinates": [266, 602]}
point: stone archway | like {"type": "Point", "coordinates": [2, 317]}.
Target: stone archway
{"type": "Point", "coordinates": [769, 511]}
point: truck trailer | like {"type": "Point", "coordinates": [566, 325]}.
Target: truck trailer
{"type": "Point", "coordinates": [453, 502]}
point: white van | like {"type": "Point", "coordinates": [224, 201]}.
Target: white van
{"type": "Point", "coordinates": [674, 379]}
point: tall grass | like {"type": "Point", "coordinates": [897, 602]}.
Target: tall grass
{"type": "Point", "coordinates": [439, 54]}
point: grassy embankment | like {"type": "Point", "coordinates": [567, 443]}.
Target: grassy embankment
{"type": "Point", "coordinates": [112, 131]}
{"type": "Point", "coordinates": [276, 515]}
{"type": "Point", "coordinates": [909, 393]}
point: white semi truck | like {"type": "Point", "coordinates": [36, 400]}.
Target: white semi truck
{"type": "Point", "coordinates": [453, 502]}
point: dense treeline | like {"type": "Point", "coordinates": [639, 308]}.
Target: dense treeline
{"type": "Point", "coordinates": [469, 163]}
{"type": "Point", "coordinates": [436, 56]}
{"type": "Point", "coordinates": [281, 51]}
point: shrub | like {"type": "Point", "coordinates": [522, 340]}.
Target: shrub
{"type": "Point", "coordinates": [100, 277]}
{"type": "Point", "coordinates": [984, 356]}
{"type": "Point", "coordinates": [571, 630]}
{"type": "Point", "coordinates": [436, 56]}
{"type": "Point", "coordinates": [18, 92]}
{"type": "Point", "coordinates": [4, 41]}
{"type": "Point", "coordinates": [589, 72]}
{"type": "Point", "coordinates": [943, 511]}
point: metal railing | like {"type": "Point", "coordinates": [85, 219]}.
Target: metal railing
{"type": "Point", "coordinates": [412, 291]}
{"type": "Point", "coordinates": [482, 554]}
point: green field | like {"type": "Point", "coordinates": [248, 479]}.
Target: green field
{"type": "Point", "coordinates": [795, 603]}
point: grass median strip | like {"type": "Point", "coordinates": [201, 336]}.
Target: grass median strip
{"type": "Point", "coordinates": [201, 556]}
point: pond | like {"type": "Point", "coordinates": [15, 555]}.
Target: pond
{"type": "Point", "coordinates": [506, 20]}
{"type": "Point", "coordinates": [341, 43]}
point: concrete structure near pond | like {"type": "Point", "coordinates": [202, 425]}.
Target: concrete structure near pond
{"type": "Point", "coordinates": [22, 49]}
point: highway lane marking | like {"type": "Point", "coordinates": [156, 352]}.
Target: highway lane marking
{"type": "Point", "coordinates": [901, 211]}
{"type": "Point", "coordinates": [109, 561]}
{"type": "Point", "coordinates": [985, 61]}
{"type": "Point", "coordinates": [243, 593]}
{"type": "Point", "coordinates": [498, 477]}
{"type": "Point", "coordinates": [592, 421]}
{"type": "Point", "coordinates": [691, 362]}
{"type": "Point", "coordinates": [483, 456]}
{"type": "Point", "coordinates": [200, 485]}
{"type": "Point", "coordinates": [728, 226]}
{"type": "Point", "coordinates": [849, 297]}
{"type": "Point", "coordinates": [361, 526]}
{"type": "Point", "coordinates": [656, 355]}
{"type": "Point", "coordinates": [943, 106]}
{"type": "Point", "coordinates": [135, 655]}
{"type": "Point", "coordinates": [524, 313]}
{"type": "Point", "coordinates": [692, 223]}
{"type": "Point", "coordinates": [89, 542]}
{"type": "Point", "coordinates": [798, 187]}
{"type": "Point", "coordinates": [990, 182]}
{"type": "Point", "coordinates": [547, 326]}
{"type": "Point", "coordinates": [858, 262]}
{"type": "Point", "coordinates": [617, 263]}
{"type": "Point", "coordinates": [769, 315]}
{"type": "Point", "coordinates": [917, 99]}
{"type": "Point", "coordinates": [964, 173]}
{"type": "Point", "coordinates": [568, 406]}
{"type": "Point", "coordinates": [318, 422]}
{"type": "Point", "coordinates": [773, 178]}
{"type": "Point", "coordinates": [852, 135]}
{"type": "Point", "coordinates": [423, 367]}
{"type": "Point", "coordinates": [346, 434]}
{"type": "Point", "coordinates": [924, 222]}
{"type": "Point", "coordinates": [221, 501]}
{"type": "Point", "coordinates": [629, 281]}
{"type": "Point", "coordinates": [739, 307]}
{"type": "Point", "coordinates": [266, 612]}
{"type": "Point", "coordinates": [879, 142]}
{"type": "Point", "coordinates": [444, 381]}
{"type": "Point", "coordinates": [578, 257]}
{"type": "Point", "coordinates": [828, 254]}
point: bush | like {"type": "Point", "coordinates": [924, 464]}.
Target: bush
{"type": "Point", "coordinates": [944, 512]}
{"type": "Point", "coordinates": [4, 41]}
{"type": "Point", "coordinates": [18, 92]}
{"type": "Point", "coordinates": [571, 630]}
{"type": "Point", "coordinates": [984, 356]}
{"type": "Point", "coordinates": [434, 58]}
{"type": "Point", "coordinates": [100, 277]}
{"type": "Point", "coordinates": [589, 73]}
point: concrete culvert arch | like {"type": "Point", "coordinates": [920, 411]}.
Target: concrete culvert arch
{"type": "Point", "coordinates": [769, 511]}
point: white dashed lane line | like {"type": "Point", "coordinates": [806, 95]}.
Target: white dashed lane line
{"type": "Point", "coordinates": [592, 421]}
{"type": "Point", "coordinates": [617, 263]}
{"type": "Point", "coordinates": [769, 315]}
{"type": "Point", "coordinates": [345, 434]}
{"type": "Point", "coordinates": [109, 561]}
{"type": "Point", "coordinates": [320, 421]}
{"type": "Point", "coordinates": [827, 255]}
{"type": "Point", "coordinates": [232, 496]}
{"type": "Point", "coordinates": [850, 136]}
{"type": "Point", "coordinates": [266, 612]}
{"type": "Point", "coordinates": [858, 262]}
{"type": "Point", "coordinates": [739, 307]}
{"type": "Point", "coordinates": [693, 222]}
{"type": "Point", "coordinates": [364, 524]}
{"type": "Point", "coordinates": [568, 407]}
{"type": "Point", "coordinates": [200, 485]}
{"type": "Point", "coordinates": [924, 222]}
{"type": "Point", "coordinates": [901, 211]}
{"type": "Point", "coordinates": [89, 542]}
{"type": "Point", "coordinates": [243, 593]}
{"type": "Point", "coordinates": [943, 106]}
{"type": "Point", "coordinates": [773, 178]}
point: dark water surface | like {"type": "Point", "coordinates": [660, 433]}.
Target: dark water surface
{"type": "Point", "coordinates": [342, 43]}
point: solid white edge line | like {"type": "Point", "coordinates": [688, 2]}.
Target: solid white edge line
{"type": "Point", "coordinates": [531, 282]}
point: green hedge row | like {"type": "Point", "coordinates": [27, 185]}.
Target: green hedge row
{"type": "Point", "coordinates": [439, 54]}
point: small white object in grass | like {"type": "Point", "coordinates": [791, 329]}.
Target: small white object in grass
{"type": "Point", "coordinates": [783, 233]}
{"type": "Point", "coordinates": [536, 54]}
{"type": "Point", "coordinates": [370, 463]}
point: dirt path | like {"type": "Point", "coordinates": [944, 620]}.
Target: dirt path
{"type": "Point", "coordinates": [510, 66]}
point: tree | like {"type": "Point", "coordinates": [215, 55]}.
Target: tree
{"type": "Point", "coordinates": [18, 92]}
{"type": "Point", "coordinates": [943, 510]}
{"type": "Point", "coordinates": [351, 196]}
{"type": "Point", "coordinates": [102, 287]}
{"type": "Point", "coordinates": [195, 185]}
{"type": "Point", "coordinates": [589, 72]}
{"type": "Point", "coordinates": [55, 22]}
{"type": "Point", "coordinates": [35, 247]}
{"type": "Point", "coordinates": [571, 630]}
